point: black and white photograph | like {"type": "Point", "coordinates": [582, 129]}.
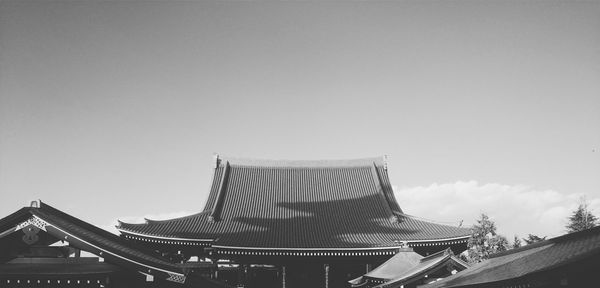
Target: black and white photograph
{"type": "Point", "coordinates": [299, 144]}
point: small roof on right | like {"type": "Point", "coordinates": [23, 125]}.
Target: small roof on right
{"type": "Point", "coordinates": [408, 269]}
{"type": "Point", "coordinates": [571, 260]}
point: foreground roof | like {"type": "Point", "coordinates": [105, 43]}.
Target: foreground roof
{"type": "Point", "coordinates": [90, 238]}
{"type": "Point", "coordinates": [406, 268]}
{"type": "Point", "coordinates": [265, 204]}
{"type": "Point", "coordinates": [534, 264]}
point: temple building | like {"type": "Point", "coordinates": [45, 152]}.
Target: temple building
{"type": "Point", "coordinates": [295, 224]}
{"type": "Point", "coordinates": [408, 269]}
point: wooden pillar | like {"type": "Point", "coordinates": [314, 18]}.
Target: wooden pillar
{"type": "Point", "coordinates": [283, 277]}
{"type": "Point", "coordinates": [326, 267]}
{"type": "Point", "coordinates": [214, 268]}
{"type": "Point", "coordinates": [242, 274]}
{"type": "Point", "coordinates": [368, 268]}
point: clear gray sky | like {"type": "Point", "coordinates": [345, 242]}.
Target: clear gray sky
{"type": "Point", "coordinates": [114, 109]}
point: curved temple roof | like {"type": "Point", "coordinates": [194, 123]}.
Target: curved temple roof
{"type": "Point", "coordinates": [102, 243]}
{"type": "Point", "coordinates": [265, 204]}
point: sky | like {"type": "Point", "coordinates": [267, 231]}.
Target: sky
{"type": "Point", "coordinates": [115, 109]}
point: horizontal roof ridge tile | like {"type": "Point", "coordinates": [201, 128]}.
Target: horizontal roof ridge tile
{"type": "Point", "coordinates": [152, 221]}
{"type": "Point", "coordinates": [282, 163]}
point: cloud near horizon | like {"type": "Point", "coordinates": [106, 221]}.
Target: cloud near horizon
{"type": "Point", "coordinates": [516, 209]}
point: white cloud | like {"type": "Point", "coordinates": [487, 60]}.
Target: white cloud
{"type": "Point", "coordinates": [516, 209]}
{"type": "Point", "coordinates": [141, 219]}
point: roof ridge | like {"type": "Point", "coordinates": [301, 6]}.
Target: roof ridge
{"type": "Point", "coordinates": [444, 223]}
{"type": "Point", "coordinates": [215, 213]}
{"type": "Point", "coordinates": [148, 220]}
{"type": "Point", "coordinates": [356, 162]}
{"type": "Point", "coordinates": [446, 251]}
{"type": "Point", "coordinates": [379, 186]}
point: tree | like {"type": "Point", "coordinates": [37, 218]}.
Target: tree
{"type": "Point", "coordinates": [533, 238]}
{"type": "Point", "coordinates": [581, 219]}
{"type": "Point", "coordinates": [516, 242]}
{"type": "Point", "coordinates": [484, 241]}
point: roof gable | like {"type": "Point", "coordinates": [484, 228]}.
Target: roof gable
{"type": "Point", "coordinates": [87, 237]}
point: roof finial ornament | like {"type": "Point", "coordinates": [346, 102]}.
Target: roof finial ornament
{"type": "Point", "coordinates": [34, 204]}
{"type": "Point", "coordinates": [385, 162]}
{"type": "Point", "coordinates": [217, 160]}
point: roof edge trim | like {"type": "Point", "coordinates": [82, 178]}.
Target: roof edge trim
{"type": "Point", "coordinates": [124, 231]}
{"type": "Point", "coordinates": [308, 249]}
{"type": "Point", "coordinates": [438, 240]}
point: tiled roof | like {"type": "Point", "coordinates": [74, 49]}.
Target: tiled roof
{"type": "Point", "coordinates": [85, 236]}
{"type": "Point", "coordinates": [399, 264]}
{"type": "Point", "coordinates": [100, 237]}
{"type": "Point", "coordinates": [427, 264]}
{"type": "Point", "coordinates": [405, 268]}
{"type": "Point", "coordinates": [299, 204]}
{"type": "Point", "coordinates": [525, 262]}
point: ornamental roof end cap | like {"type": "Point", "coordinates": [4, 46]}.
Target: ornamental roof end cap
{"type": "Point", "coordinates": [217, 159]}
{"type": "Point", "coordinates": [35, 203]}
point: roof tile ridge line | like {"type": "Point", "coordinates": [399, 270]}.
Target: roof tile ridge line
{"type": "Point", "coordinates": [388, 189]}
{"type": "Point", "coordinates": [116, 254]}
{"type": "Point", "coordinates": [456, 238]}
{"type": "Point", "coordinates": [446, 252]}
{"type": "Point", "coordinates": [56, 213]}
{"type": "Point", "coordinates": [523, 248]}
{"type": "Point", "coordinates": [218, 205]}
{"type": "Point", "coordinates": [120, 223]}
{"type": "Point", "coordinates": [395, 217]}
{"type": "Point", "coordinates": [460, 261]}
{"type": "Point", "coordinates": [150, 221]}
{"type": "Point", "coordinates": [21, 213]}
{"type": "Point", "coordinates": [217, 162]}
{"type": "Point", "coordinates": [335, 163]}
{"type": "Point", "coordinates": [49, 211]}
{"type": "Point", "coordinates": [431, 221]}
{"type": "Point", "coordinates": [417, 271]}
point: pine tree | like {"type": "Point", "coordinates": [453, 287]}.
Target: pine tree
{"type": "Point", "coordinates": [516, 242]}
{"type": "Point", "coordinates": [581, 219]}
{"type": "Point", "coordinates": [484, 241]}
